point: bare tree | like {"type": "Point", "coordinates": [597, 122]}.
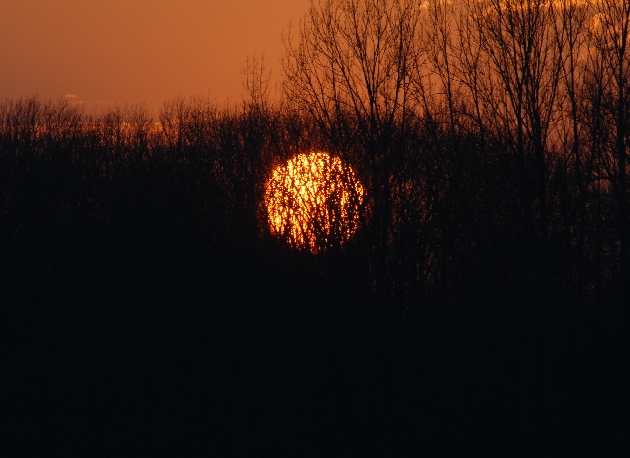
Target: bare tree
{"type": "Point", "coordinates": [351, 68]}
{"type": "Point", "coordinates": [517, 41]}
{"type": "Point", "coordinates": [440, 19]}
{"type": "Point", "coordinates": [256, 83]}
{"type": "Point", "coordinates": [576, 160]}
{"type": "Point", "coordinates": [610, 32]}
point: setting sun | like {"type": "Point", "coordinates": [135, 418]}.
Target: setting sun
{"type": "Point", "coordinates": [313, 201]}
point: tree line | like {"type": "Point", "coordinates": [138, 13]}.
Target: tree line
{"type": "Point", "coordinates": [492, 138]}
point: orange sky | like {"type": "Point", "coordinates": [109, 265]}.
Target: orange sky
{"type": "Point", "coordinates": [129, 51]}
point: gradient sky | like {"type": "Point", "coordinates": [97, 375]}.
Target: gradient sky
{"type": "Point", "coordinates": [106, 52]}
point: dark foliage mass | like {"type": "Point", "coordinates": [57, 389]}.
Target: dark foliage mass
{"type": "Point", "coordinates": [483, 303]}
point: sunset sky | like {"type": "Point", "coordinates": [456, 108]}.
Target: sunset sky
{"type": "Point", "coordinates": [106, 52]}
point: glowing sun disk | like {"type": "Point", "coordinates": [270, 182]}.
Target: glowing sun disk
{"type": "Point", "coordinates": [313, 201]}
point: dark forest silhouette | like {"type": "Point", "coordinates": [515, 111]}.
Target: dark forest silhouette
{"type": "Point", "coordinates": [483, 300]}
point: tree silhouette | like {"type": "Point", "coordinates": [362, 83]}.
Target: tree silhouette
{"type": "Point", "coordinates": [351, 70]}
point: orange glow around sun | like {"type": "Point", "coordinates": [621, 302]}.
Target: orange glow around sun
{"type": "Point", "coordinates": [313, 201]}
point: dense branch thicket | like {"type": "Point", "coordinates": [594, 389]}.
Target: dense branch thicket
{"type": "Point", "coordinates": [489, 280]}
{"type": "Point", "coordinates": [420, 91]}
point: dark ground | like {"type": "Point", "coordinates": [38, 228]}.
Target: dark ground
{"type": "Point", "coordinates": [121, 343]}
